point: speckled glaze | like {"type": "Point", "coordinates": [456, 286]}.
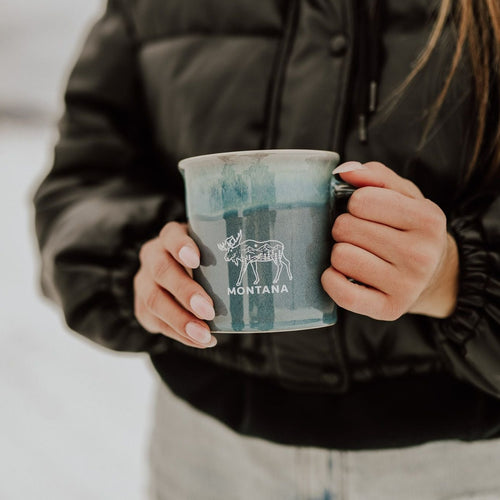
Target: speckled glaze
{"type": "Point", "coordinates": [262, 220]}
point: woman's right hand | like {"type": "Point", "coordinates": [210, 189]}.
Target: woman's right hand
{"type": "Point", "coordinates": [167, 299]}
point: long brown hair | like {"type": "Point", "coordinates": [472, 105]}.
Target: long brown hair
{"type": "Point", "coordinates": [478, 31]}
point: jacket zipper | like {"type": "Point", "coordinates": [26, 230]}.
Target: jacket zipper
{"type": "Point", "coordinates": [281, 62]}
{"type": "Point", "coordinates": [336, 334]}
{"type": "Point", "coordinates": [346, 92]}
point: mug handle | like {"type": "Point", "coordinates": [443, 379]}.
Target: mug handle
{"type": "Point", "coordinates": [340, 192]}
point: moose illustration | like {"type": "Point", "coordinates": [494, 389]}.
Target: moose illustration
{"type": "Point", "coordinates": [249, 252]}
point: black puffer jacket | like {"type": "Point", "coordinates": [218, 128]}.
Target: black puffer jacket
{"type": "Point", "coordinates": [161, 80]}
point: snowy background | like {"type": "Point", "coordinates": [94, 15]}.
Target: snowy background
{"type": "Point", "coordinates": [74, 418]}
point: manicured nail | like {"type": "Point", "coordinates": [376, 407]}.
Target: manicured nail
{"type": "Point", "coordinates": [189, 257]}
{"type": "Point", "coordinates": [212, 343]}
{"type": "Point", "coordinates": [202, 307]}
{"type": "Point", "coordinates": [348, 166]}
{"type": "Point", "coordinates": [198, 333]}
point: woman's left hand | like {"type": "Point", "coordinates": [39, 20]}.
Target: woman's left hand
{"type": "Point", "coordinates": [394, 243]}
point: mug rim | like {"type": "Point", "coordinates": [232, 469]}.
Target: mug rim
{"type": "Point", "coordinates": [294, 152]}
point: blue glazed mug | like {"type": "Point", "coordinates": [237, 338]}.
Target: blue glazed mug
{"type": "Point", "coordinates": [262, 221]}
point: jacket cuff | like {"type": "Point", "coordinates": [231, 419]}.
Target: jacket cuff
{"type": "Point", "coordinates": [473, 282]}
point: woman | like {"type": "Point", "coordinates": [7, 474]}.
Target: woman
{"type": "Point", "coordinates": [407, 92]}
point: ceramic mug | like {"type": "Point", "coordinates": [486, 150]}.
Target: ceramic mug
{"type": "Point", "coordinates": [262, 221]}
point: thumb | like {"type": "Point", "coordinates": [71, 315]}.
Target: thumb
{"type": "Point", "coordinates": [378, 175]}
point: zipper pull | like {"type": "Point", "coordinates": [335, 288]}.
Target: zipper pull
{"type": "Point", "coordinates": [372, 105]}
{"type": "Point", "coordinates": [362, 130]}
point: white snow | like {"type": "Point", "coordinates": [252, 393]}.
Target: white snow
{"type": "Point", "coordinates": [74, 417]}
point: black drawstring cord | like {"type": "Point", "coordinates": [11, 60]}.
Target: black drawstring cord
{"type": "Point", "coordinates": [362, 76]}
{"type": "Point", "coordinates": [374, 40]}
{"type": "Point", "coordinates": [370, 51]}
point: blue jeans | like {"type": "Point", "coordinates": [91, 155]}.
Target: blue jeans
{"type": "Point", "coordinates": [194, 457]}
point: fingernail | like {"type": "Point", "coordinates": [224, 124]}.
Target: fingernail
{"type": "Point", "coordinates": [198, 333]}
{"type": "Point", "coordinates": [348, 166]}
{"type": "Point", "coordinates": [212, 343]}
{"type": "Point", "coordinates": [189, 257]}
{"type": "Point", "coordinates": [202, 307]}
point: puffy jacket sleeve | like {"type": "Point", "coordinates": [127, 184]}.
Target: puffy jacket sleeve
{"type": "Point", "coordinates": [107, 193]}
{"type": "Point", "coordinates": [470, 338]}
